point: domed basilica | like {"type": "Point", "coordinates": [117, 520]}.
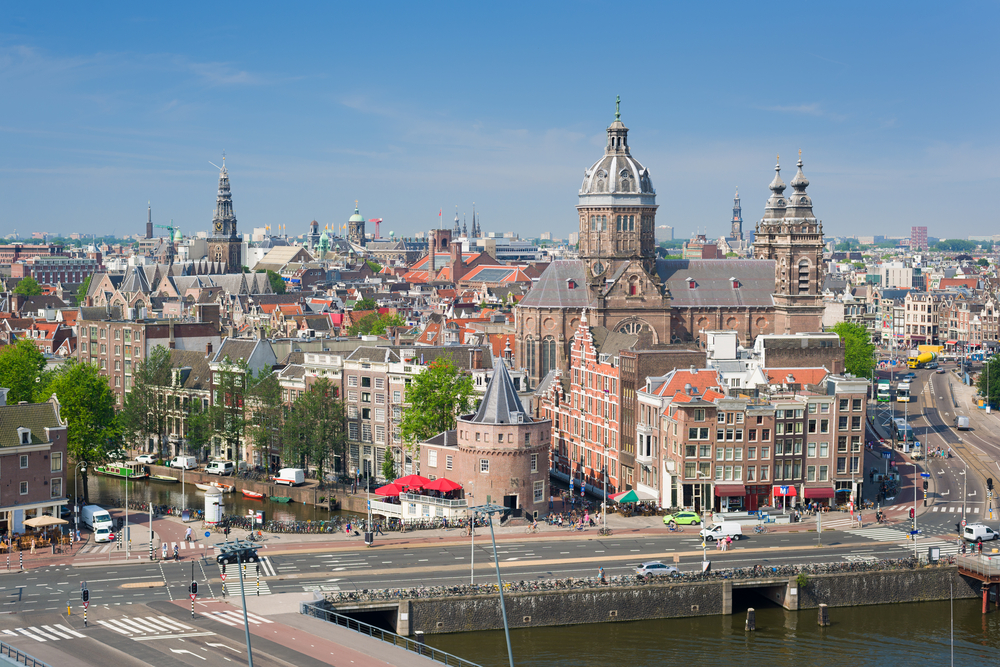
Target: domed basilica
{"type": "Point", "coordinates": [624, 287]}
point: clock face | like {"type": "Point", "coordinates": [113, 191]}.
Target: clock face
{"type": "Point", "coordinates": [218, 226]}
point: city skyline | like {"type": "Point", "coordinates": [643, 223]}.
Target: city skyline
{"type": "Point", "coordinates": [321, 106]}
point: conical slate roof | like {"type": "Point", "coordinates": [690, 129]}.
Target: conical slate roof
{"type": "Point", "coordinates": [501, 401]}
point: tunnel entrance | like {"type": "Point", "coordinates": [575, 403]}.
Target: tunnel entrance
{"type": "Point", "coordinates": [384, 618]}
{"type": "Point", "coordinates": [744, 598]}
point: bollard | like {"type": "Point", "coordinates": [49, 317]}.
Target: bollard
{"type": "Point", "coordinates": [751, 620]}
{"type": "Point", "coordinates": [258, 579]}
{"type": "Point", "coordinates": [84, 615]}
{"type": "Point", "coordinates": [824, 616]}
{"type": "Point", "coordinates": [20, 560]}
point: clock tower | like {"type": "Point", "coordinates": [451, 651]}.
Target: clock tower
{"type": "Point", "coordinates": [224, 244]}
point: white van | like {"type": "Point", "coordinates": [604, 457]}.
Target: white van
{"type": "Point", "coordinates": [185, 462]}
{"type": "Point", "coordinates": [721, 531]}
{"type": "Point", "coordinates": [220, 468]}
{"type": "Point", "coordinates": [94, 517]}
{"type": "Point", "coordinates": [978, 532]}
{"type": "Point", "coordinates": [290, 476]}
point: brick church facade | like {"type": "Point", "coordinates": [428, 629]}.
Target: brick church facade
{"type": "Point", "coordinates": [624, 287]}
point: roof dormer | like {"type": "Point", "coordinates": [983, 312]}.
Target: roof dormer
{"type": "Point", "coordinates": [23, 435]}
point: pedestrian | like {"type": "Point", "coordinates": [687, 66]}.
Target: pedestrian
{"type": "Point", "coordinates": [347, 529]}
{"type": "Point", "coordinates": [600, 571]}
{"type": "Point", "coordinates": [980, 547]}
{"type": "Point", "coordinates": [378, 528]}
{"type": "Point", "coordinates": [187, 535]}
{"type": "Point", "coordinates": [164, 545]}
{"type": "Point", "coordinates": [33, 547]}
{"type": "Point", "coordinates": [551, 502]}
{"type": "Point", "coordinates": [176, 552]}
{"type": "Point", "coordinates": [586, 519]}
{"type": "Point", "coordinates": [77, 534]}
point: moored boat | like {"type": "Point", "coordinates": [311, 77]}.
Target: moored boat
{"type": "Point", "coordinates": [252, 494]}
{"type": "Point", "coordinates": [129, 470]}
{"type": "Point", "coordinates": [202, 487]}
{"type": "Point", "coordinates": [226, 488]}
{"type": "Point", "coordinates": [164, 478]}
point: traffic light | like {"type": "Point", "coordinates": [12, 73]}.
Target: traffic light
{"type": "Point", "coordinates": [194, 588]}
{"type": "Point", "coordinates": [223, 567]}
{"type": "Point", "coordinates": [989, 483]}
{"type": "Point", "coordinates": [925, 485]}
{"type": "Point", "coordinates": [86, 595]}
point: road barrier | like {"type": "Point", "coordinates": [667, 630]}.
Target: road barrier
{"type": "Point", "coordinates": [23, 658]}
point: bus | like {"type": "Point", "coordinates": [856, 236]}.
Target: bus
{"type": "Point", "coordinates": [884, 391]}
{"type": "Point", "coordinates": [903, 392]}
{"type": "Point", "coordinates": [903, 433]}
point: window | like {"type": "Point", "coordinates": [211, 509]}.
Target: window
{"type": "Point", "coordinates": [824, 409]}
{"type": "Point", "coordinates": [843, 404]}
{"type": "Point", "coordinates": [352, 412]}
{"type": "Point", "coordinates": [751, 473]}
{"type": "Point", "coordinates": [449, 461]}
{"type": "Point", "coordinates": [855, 443]}
{"type": "Point", "coordinates": [352, 380]}
{"type": "Point", "coordinates": [722, 417]}
{"type": "Point", "coordinates": [24, 461]}
{"type": "Point", "coordinates": [352, 431]}
{"type": "Point", "coordinates": [811, 450]}
{"type": "Point", "coordinates": [856, 404]}
{"type": "Point", "coordinates": [366, 432]}
{"type": "Point", "coordinates": [705, 451]}
{"type": "Point", "coordinates": [824, 425]}
{"type": "Point", "coordinates": [739, 417]}
{"type": "Point", "coordinates": [751, 453]}
{"type": "Point", "coordinates": [484, 465]}
{"type": "Point", "coordinates": [366, 397]}
{"type": "Point", "coordinates": [812, 425]}
{"type": "Point", "coordinates": [366, 413]}
{"type": "Point", "coordinates": [764, 473]}
{"type": "Point", "coordinates": [24, 488]}
{"type": "Point", "coordinates": [752, 435]}
{"type": "Point", "coordinates": [855, 423]}
{"type": "Point", "coordinates": [842, 423]}
{"type": "Point", "coordinates": [538, 491]}
{"type": "Point", "coordinates": [379, 433]}
{"type": "Point", "coordinates": [699, 415]}
{"type": "Point", "coordinates": [55, 487]}
{"type": "Point", "coordinates": [432, 458]}
{"type": "Point", "coordinates": [352, 396]}
{"type": "Point", "coordinates": [798, 446]}
{"type": "Point", "coordinates": [841, 465]}
{"type": "Point", "coordinates": [824, 473]}
{"type": "Point", "coordinates": [729, 453]}
{"type": "Point", "coordinates": [719, 471]}
{"type": "Point", "coordinates": [534, 463]}
{"type": "Point", "coordinates": [739, 435]}
{"type": "Point", "coordinates": [765, 453]}
{"type": "Point", "coordinates": [824, 450]}
{"type": "Point", "coordinates": [810, 473]}
{"type": "Point", "coordinates": [527, 439]}
{"type": "Point", "coordinates": [379, 399]}
{"type": "Point", "coordinates": [397, 397]}
{"type": "Point", "coordinates": [57, 462]}
{"type": "Point", "coordinates": [812, 408]}
{"type": "Point", "coordinates": [689, 470]}
{"type": "Point", "coordinates": [720, 453]}
{"type": "Point", "coordinates": [690, 451]}
{"type": "Point", "coordinates": [779, 428]}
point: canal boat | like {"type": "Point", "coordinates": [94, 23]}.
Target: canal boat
{"type": "Point", "coordinates": [128, 470]}
{"type": "Point", "coordinates": [202, 487]}
{"type": "Point", "coordinates": [225, 488]}
{"type": "Point", "coordinates": [252, 494]}
{"type": "Point", "coordinates": [167, 479]}
{"type": "Point", "coordinates": [280, 499]}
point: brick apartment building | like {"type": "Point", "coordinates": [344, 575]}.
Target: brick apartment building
{"type": "Point", "coordinates": [12, 252]}
{"type": "Point", "coordinates": [51, 270]}
{"type": "Point", "coordinates": [116, 343]}
{"type": "Point", "coordinates": [33, 461]}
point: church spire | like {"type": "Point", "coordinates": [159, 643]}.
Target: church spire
{"type": "Point", "coordinates": [149, 220]}
{"type": "Point", "coordinates": [737, 224]}
{"type": "Point", "coordinates": [775, 207]}
{"type": "Point", "coordinates": [224, 220]}
{"type": "Point", "coordinates": [799, 203]}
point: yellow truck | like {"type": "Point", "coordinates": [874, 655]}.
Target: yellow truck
{"type": "Point", "coordinates": [923, 355]}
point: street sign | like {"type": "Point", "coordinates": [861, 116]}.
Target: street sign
{"type": "Point", "coordinates": [223, 575]}
{"type": "Point", "coordinates": [925, 474]}
{"type": "Point", "coordinates": [963, 523]}
{"type": "Point", "coordinates": [192, 595]}
{"type": "Point", "coordinates": [86, 604]}
{"type": "Point", "coordinates": [208, 533]}
{"type": "Point", "coordinates": [914, 532]}
{"type": "Point", "coordinates": [369, 504]}
{"type": "Point", "coordinates": [887, 455]}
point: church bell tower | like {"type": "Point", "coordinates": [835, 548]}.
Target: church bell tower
{"type": "Point", "coordinates": [224, 246]}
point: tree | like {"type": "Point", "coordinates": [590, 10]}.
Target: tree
{"type": "Point", "coordinates": [436, 396]}
{"type": "Point", "coordinates": [389, 466]}
{"type": "Point", "coordinates": [265, 414]}
{"type": "Point", "coordinates": [81, 292]}
{"type": "Point", "coordinates": [277, 284]}
{"type": "Point", "coordinates": [28, 287]}
{"type": "Point", "coordinates": [373, 265]}
{"type": "Point", "coordinates": [144, 413]}
{"type": "Point", "coordinates": [200, 428]}
{"type": "Point", "coordinates": [982, 261]}
{"type": "Point", "coordinates": [315, 429]}
{"type": "Point", "coordinates": [229, 408]}
{"type": "Point", "coordinates": [989, 380]}
{"type": "Point", "coordinates": [87, 405]}
{"type": "Point", "coordinates": [374, 324]}
{"type": "Point", "coordinates": [21, 370]}
{"type": "Point", "coordinates": [956, 245]}
{"type": "Point", "coordinates": [365, 304]}
{"type": "Point", "coordinates": [858, 349]}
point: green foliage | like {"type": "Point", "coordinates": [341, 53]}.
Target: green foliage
{"type": "Point", "coordinates": [373, 265]}
{"type": "Point", "coordinates": [802, 580]}
{"type": "Point", "coordinates": [730, 255]}
{"type": "Point", "coordinates": [436, 397]}
{"type": "Point", "coordinates": [264, 396]}
{"type": "Point", "coordinates": [956, 245]}
{"type": "Point", "coordinates": [81, 292]}
{"type": "Point", "coordinates": [388, 466]}
{"type": "Point", "coordinates": [858, 348]}
{"type": "Point", "coordinates": [982, 261]}
{"type": "Point", "coordinates": [858, 265]}
{"type": "Point", "coordinates": [276, 282]}
{"type": "Point", "coordinates": [675, 244]}
{"type": "Point", "coordinates": [22, 371]}
{"type": "Point", "coordinates": [28, 287]}
{"type": "Point", "coordinates": [229, 415]}
{"type": "Point", "coordinates": [87, 405]}
{"type": "Point", "coordinates": [375, 325]}
{"type": "Point", "coordinates": [144, 413]}
{"type": "Point", "coordinates": [887, 244]}
{"type": "Point", "coordinates": [200, 429]}
{"type": "Point", "coordinates": [365, 304]}
{"type": "Point", "coordinates": [989, 380]}
{"type": "Point", "coordinates": [315, 429]}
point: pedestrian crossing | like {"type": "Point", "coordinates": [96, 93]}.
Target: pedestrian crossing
{"type": "Point", "coordinates": [250, 578]}
{"type": "Point", "coordinates": [234, 618]}
{"type": "Point", "coordinates": [837, 524]}
{"type": "Point", "coordinates": [880, 534]}
{"type": "Point", "coordinates": [105, 548]}
{"type": "Point", "coordinates": [44, 633]}
{"type": "Point", "coordinates": [146, 626]}
{"type": "Point", "coordinates": [955, 508]}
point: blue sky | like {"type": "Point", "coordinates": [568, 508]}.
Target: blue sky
{"type": "Point", "coordinates": [414, 107]}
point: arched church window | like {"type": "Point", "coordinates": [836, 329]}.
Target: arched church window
{"type": "Point", "coordinates": [633, 285]}
{"type": "Point", "coordinates": [548, 355]}
{"type": "Point", "coordinates": [529, 355]}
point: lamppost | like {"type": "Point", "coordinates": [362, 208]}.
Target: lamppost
{"type": "Point", "coordinates": [76, 504]}
{"type": "Point", "coordinates": [965, 488]}
{"type": "Point", "coordinates": [472, 540]}
{"type": "Point", "coordinates": [704, 546]}
{"type": "Point", "coordinates": [490, 510]}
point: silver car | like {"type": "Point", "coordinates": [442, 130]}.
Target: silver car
{"type": "Point", "coordinates": [655, 568]}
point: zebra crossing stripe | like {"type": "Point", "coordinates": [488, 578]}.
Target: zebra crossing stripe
{"type": "Point", "coordinates": [113, 624]}
{"type": "Point", "coordinates": [55, 632]}
{"type": "Point", "coordinates": [69, 630]}
{"type": "Point", "coordinates": [175, 625]}
{"type": "Point", "coordinates": [160, 626]}
{"type": "Point", "coordinates": [28, 634]}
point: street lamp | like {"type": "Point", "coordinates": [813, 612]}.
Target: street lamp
{"type": "Point", "coordinates": [704, 546]}
{"type": "Point", "coordinates": [472, 540]}
{"type": "Point", "coordinates": [76, 503]}
{"type": "Point", "coordinates": [965, 488]}
{"type": "Point", "coordinates": [490, 510]}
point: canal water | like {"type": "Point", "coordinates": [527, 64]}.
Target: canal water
{"type": "Point", "coordinates": [913, 635]}
{"type": "Point", "coordinates": [106, 490]}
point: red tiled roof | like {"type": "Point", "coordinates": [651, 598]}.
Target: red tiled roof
{"type": "Point", "coordinates": [799, 375]}
{"type": "Point", "coordinates": [700, 379]}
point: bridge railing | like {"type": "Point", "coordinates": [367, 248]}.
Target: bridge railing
{"type": "Point", "coordinates": [981, 565]}
{"type": "Point", "coordinates": [20, 657]}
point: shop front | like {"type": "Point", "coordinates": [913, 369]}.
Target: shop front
{"type": "Point", "coordinates": [730, 498]}
{"type": "Point", "coordinates": [822, 495]}
{"type": "Point", "coordinates": [782, 494]}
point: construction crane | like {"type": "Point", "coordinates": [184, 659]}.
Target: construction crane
{"type": "Point", "coordinates": [377, 221]}
{"type": "Point", "coordinates": [170, 227]}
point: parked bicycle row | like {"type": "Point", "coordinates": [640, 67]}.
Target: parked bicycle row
{"type": "Point", "coordinates": [754, 572]}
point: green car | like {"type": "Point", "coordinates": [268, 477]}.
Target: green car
{"type": "Point", "coordinates": [682, 518]}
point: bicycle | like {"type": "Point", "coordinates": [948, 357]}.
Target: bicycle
{"type": "Point", "coordinates": [605, 532]}
{"type": "Point", "coordinates": [532, 528]}
{"type": "Point", "coordinates": [760, 528]}
{"type": "Point", "coordinates": [674, 527]}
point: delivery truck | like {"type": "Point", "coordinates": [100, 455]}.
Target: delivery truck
{"type": "Point", "coordinates": [962, 423]}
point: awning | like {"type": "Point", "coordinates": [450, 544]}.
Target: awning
{"type": "Point", "coordinates": [785, 491]}
{"type": "Point", "coordinates": [819, 492]}
{"type": "Point", "coordinates": [727, 490]}
{"type": "Point", "coordinates": [950, 342]}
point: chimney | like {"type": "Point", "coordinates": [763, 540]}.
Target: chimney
{"type": "Point", "coordinates": [172, 343]}
{"type": "Point", "coordinates": [208, 349]}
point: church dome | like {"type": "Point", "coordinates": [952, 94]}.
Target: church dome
{"type": "Point", "coordinates": [357, 217]}
{"type": "Point", "coordinates": [617, 173]}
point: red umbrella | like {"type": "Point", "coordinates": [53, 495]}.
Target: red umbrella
{"type": "Point", "coordinates": [412, 481]}
{"type": "Point", "coordinates": [442, 484]}
{"type": "Point", "coordinates": [392, 489]}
